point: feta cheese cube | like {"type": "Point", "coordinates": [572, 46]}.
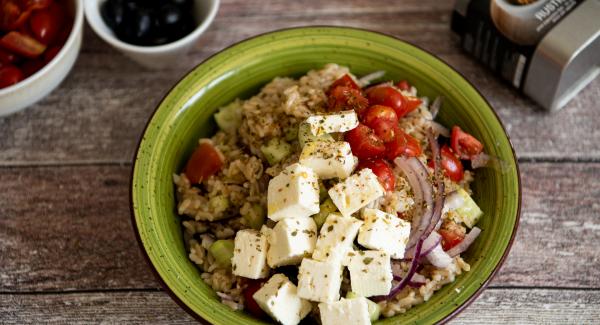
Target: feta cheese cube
{"type": "Point", "coordinates": [293, 193]}
{"type": "Point", "coordinates": [250, 254]}
{"type": "Point", "coordinates": [385, 232]}
{"type": "Point", "coordinates": [291, 240]}
{"type": "Point", "coordinates": [328, 123]}
{"type": "Point", "coordinates": [329, 159]}
{"type": "Point", "coordinates": [353, 311]}
{"type": "Point", "coordinates": [319, 281]}
{"type": "Point", "coordinates": [279, 298]}
{"type": "Point", "coordinates": [356, 192]}
{"type": "Point", "coordinates": [370, 273]}
{"type": "Point", "coordinates": [336, 237]}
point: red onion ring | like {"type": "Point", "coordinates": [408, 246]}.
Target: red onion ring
{"type": "Point", "coordinates": [429, 244]}
{"type": "Point", "coordinates": [465, 243]}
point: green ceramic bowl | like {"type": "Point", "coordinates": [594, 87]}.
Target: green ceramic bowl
{"type": "Point", "coordinates": [185, 115]}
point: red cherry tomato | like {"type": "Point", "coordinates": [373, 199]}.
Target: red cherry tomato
{"type": "Point", "coordinates": [451, 164]}
{"type": "Point", "coordinates": [47, 23]}
{"type": "Point", "coordinates": [249, 303]}
{"type": "Point", "coordinates": [383, 120]}
{"type": "Point", "coordinates": [51, 53]}
{"type": "Point", "coordinates": [9, 75]}
{"type": "Point", "coordinates": [364, 143]}
{"type": "Point", "coordinates": [451, 237]}
{"type": "Point", "coordinates": [11, 15]}
{"type": "Point", "coordinates": [344, 81]}
{"type": "Point", "coordinates": [8, 57]}
{"type": "Point", "coordinates": [204, 162]}
{"type": "Point", "coordinates": [388, 96]}
{"type": "Point", "coordinates": [410, 104]}
{"type": "Point", "coordinates": [346, 98]}
{"type": "Point", "coordinates": [382, 169]}
{"type": "Point", "coordinates": [403, 85]}
{"type": "Point", "coordinates": [402, 144]}
{"type": "Point", "coordinates": [464, 144]}
{"type": "Point", "coordinates": [22, 44]}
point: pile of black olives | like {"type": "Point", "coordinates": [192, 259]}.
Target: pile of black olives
{"type": "Point", "coordinates": [149, 22]}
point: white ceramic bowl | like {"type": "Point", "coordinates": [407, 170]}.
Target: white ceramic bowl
{"type": "Point", "coordinates": [41, 83]}
{"type": "Point", "coordinates": [153, 56]}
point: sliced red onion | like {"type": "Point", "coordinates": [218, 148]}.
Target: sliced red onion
{"type": "Point", "coordinates": [480, 160]}
{"type": "Point", "coordinates": [439, 129]}
{"type": "Point", "coordinates": [465, 243]}
{"type": "Point", "coordinates": [438, 257]}
{"type": "Point", "coordinates": [429, 244]}
{"type": "Point", "coordinates": [417, 277]}
{"type": "Point", "coordinates": [414, 264]}
{"type": "Point", "coordinates": [434, 109]}
{"type": "Point", "coordinates": [484, 160]}
{"type": "Point", "coordinates": [365, 80]}
{"type": "Point", "coordinates": [418, 178]}
{"type": "Point", "coordinates": [436, 214]}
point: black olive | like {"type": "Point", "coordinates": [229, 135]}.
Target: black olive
{"type": "Point", "coordinates": [113, 12]}
{"type": "Point", "coordinates": [184, 4]}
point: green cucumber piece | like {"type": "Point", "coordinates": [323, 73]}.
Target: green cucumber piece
{"type": "Point", "coordinates": [325, 209]}
{"type": "Point", "coordinates": [373, 307]}
{"type": "Point", "coordinates": [229, 117]}
{"type": "Point", "coordinates": [276, 150]}
{"type": "Point", "coordinates": [469, 212]}
{"type": "Point", "coordinates": [256, 219]}
{"type": "Point", "coordinates": [291, 133]}
{"type": "Point", "coordinates": [222, 251]}
{"type": "Point", "coordinates": [305, 136]}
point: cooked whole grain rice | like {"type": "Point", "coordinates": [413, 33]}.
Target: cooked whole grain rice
{"type": "Point", "coordinates": [217, 210]}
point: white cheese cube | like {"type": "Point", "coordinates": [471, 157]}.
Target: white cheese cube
{"type": "Point", "coordinates": [279, 298]}
{"type": "Point", "coordinates": [356, 192]}
{"type": "Point", "coordinates": [293, 193]}
{"type": "Point", "coordinates": [329, 159]}
{"type": "Point", "coordinates": [336, 237]}
{"type": "Point", "coordinates": [353, 311]}
{"type": "Point", "coordinates": [319, 281]}
{"type": "Point", "coordinates": [370, 273]}
{"type": "Point", "coordinates": [250, 254]}
{"type": "Point", "coordinates": [385, 232]}
{"type": "Point", "coordinates": [291, 240]}
{"type": "Point", "coordinates": [328, 123]}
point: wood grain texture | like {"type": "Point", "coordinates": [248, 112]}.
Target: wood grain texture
{"type": "Point", "coordinates": [494, 306]}
{"type": "Point", "coordinates": [72, 231]}
{"type": "Point", "coordinates": [99, 112]}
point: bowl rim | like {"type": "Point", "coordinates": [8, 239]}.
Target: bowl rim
{"type": "Point", "coordinates": [446, 318]}
{"type": "Point", "coordinates": [111, 39]}
{"type": "Point", "coordinates": [75, 29]}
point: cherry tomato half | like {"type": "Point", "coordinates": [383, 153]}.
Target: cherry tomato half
{"type": "Point", "coordinates": [388, 96]}
{"type": "Point", "coordinates": [464, 144]}
{"type": "Point", "coordinates": [383, 120]}
{"type": "Point", "coordinates": [451, 237]}
{"type": "Point", "coordinates": [451, 164]}
{"type": "Point", "coordinates": [382, 169]}
{"type": "Point", "coordinates": [364, 143]}
{"type": "Point", "coordinates": [410, 104]}
{"type": "Point", "coordinates": [344, 81]}
{"type": "Point", "coordinates": [9, 75]}
{"type": "Point", "coordinates": [51, 53]}
{"type": "Point", "coordinates": [47, 23]}
{"type": "Point", "coordinates": [249, 303]}
{"type": "Point", "coordinates": [204, 162]}
{"type": "Point", "coordinates": [402, 144]}
{"type": "Point", "coordinates": [346, 98]}
{"type": "Point", "coordinates": [22, 44]}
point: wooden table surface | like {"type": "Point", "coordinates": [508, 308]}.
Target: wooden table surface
{"type": "Point", "coordinates": [67, 249]}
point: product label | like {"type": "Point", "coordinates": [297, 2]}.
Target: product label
{"type": "Point", "coordinates": [503, 34]}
